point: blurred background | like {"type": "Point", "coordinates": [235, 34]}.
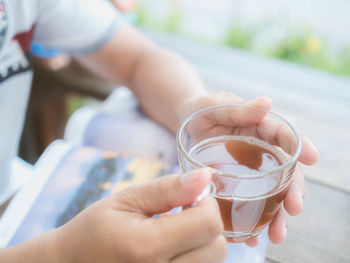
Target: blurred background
{"type": "Point", "coordinates": [313, 33]}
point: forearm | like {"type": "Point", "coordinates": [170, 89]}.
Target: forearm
{"type": "Point", "coordinates": [162, 82]}
{"type": "Point", "coordinates": [41, 249]}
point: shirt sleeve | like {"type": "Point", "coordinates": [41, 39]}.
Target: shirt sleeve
{"type": "Point", "coordinates": [79, 27]}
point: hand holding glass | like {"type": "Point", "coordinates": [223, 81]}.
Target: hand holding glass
{"type": "Point", "coordinates": [251, 154]}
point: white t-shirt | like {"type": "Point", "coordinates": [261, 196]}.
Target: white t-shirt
{"type": "Point", "coordinates": [78, 27]}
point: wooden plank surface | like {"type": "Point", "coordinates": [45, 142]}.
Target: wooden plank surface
{"type": "Point", "coordinates": [321, 233]}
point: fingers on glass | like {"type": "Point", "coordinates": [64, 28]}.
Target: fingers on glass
{"type": "Point", "coordinates": [253, 242]}
{"type": "Point", "coordinates": [294, 200]}
{"type": "Point", "coordinates": [278, 227]}
{"type": "Point", "coordinates": [263, 102]}
{"type": "Point", "coordinates": [276, 133]}
{"type": "Point", "coordinates": [236, 116]}
{"type": "Point", "coordinates": [309, 153]}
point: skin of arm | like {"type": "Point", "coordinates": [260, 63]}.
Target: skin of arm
{"type": "Point", "coordinates": [160, 79]}
{"type": "Point", "coordinates": [37, 250]}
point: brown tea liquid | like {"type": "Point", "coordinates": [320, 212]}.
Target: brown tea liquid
{"type": "Point", "coordinates": [246, 205]}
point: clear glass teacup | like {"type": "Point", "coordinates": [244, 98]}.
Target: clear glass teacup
{"type": "Point", "coordinates": [251, 162]}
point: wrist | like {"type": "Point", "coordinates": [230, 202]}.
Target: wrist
{"type": "Point", "coordinates": [62, 247]}
{"type": "Point", "coordinates": [51, 246]}
{"type": "Point", "coordinates": [39, 250]}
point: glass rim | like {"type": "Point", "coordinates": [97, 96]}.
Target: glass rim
{"type": "Point", "coordinates": [280, 168]}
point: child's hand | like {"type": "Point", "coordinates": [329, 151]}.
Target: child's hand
{"type": "Point", "coordinates": [121, 228]}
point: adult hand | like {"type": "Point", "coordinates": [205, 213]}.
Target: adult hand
{"type": "Point", "coordinates": [212, 124]}
{"type": "Point", "coordinates": [121, 228]}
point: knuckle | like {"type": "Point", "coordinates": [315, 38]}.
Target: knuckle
{"type": "Point", "coordinates": [161, 188]}
{"type": "Point", "coordinates": [214, 224]}
{"type": "Point", "coordinates": [157, 243]}
{"type": "Point", "coordinates": [148, 251]}
{"type": "Point", "coordinates": [125, 195]}
{"type": "Point", "coordinates": [214, 204]}
{"type": "Point", "coordinates": [218, 249]}
{"type": "Point", "coordinates": [221, 246]}
{"type": "Point", "coordinates": [216, 213]}
{"type": "Point", "coordinates": [130, 199]}
{"type": "Point", "coordinates": [146, 256]}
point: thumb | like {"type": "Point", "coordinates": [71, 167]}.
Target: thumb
{"type": "Point", "coordinates": [165, 193]}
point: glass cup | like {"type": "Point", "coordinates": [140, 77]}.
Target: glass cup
{"type": "Point", "coordinates": [251, 154]}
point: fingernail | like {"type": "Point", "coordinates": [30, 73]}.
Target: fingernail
{"type": "Point", "coordinates": [314, 148]}
{"type": "Point", "coordinates": [267, 101]}
{"type": "Point", "coordinates": [300, 195]}
{"type": "Point", "coordinates": [285, 231]}
{"type": "Point", "coordinates": [301, 198]}
{"type": "Point", "coordinates": [191, 177]}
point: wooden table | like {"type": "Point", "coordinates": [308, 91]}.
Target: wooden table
{"type": "Point", "coordinates": [316, 102]}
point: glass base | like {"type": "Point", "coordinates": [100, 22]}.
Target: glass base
{"type": "Point", "coordinates": [239, 237]}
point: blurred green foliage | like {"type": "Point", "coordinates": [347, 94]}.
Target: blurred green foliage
{"type": "Point", "coordinates": [307, 49]}
{"type": "Point", "coordinates": [74, 103]}
{"type": "Point", "coordinates": [302, 47]}
{"type": "Point", "coordinates": [237, 37]}
{"type": "Point", "coordinates": [171, 22]}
